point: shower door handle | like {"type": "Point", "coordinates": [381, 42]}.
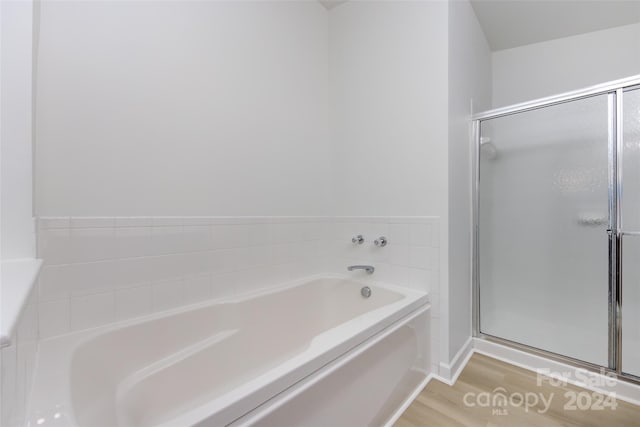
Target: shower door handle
{"type": "Point", "coordinates": [629, 233]}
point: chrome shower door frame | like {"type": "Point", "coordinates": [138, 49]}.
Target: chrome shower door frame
{"type": "Point", "coordinates": [615, 93]}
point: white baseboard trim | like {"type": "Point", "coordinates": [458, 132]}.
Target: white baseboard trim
{"type": "Point", "coordinates": [623, 390]}
{"type": "Point", "coordinates": [449, 372]}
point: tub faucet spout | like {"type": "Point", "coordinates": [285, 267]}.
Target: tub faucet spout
{"type": "Point", "coordinates": [368, 268]}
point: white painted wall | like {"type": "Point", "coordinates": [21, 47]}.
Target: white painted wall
{"type": "Point", "coordinates": [469, 87]}
{"type": "Point", "coordinates": [182, 108]}
{"type": "Point", "coordinates": [389, 114]}
{"type": "Point", "coordinates": [388, 73]}
{"type": "Point", "coordinates": [17, 230]}
{"type": "Point", "coordinates": [17, 238]}
{"type": "Point", "coordinates": [542, 69]}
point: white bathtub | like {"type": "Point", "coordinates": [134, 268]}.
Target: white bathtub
{"type": "Point", "coordinates": [209, 364]}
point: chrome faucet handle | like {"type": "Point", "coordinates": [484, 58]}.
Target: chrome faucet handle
{"type": "Point", "coordinates": [357, 240]}
{"type": "Point", "coordinates": [380, 241]}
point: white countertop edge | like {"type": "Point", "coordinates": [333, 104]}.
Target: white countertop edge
{"type": "Point", "coordinates": [17, 278]}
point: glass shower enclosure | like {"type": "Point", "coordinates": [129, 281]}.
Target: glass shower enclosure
{"type": "Point", "coordinates": [556, 234]}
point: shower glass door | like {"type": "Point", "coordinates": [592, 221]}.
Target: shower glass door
{"type": "Point", "coordinates": [543, 216]}
{"type": "Point", "coordinates": [631, 234]}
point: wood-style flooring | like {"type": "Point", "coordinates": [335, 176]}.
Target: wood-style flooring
{"type": "Point", "coordinates": [476, 400]}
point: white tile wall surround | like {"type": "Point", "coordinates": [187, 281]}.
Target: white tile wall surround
{"type": "Point", "coordinates": [410, 257]}
{"type": "Point", "coordinates": [18, 362]}
{"type": "Point", "coordinates": [133, 302]}
{"type": "Point", "coordinates": [92, 310]}
{"type": "Point", "coordinates": [100, 270]}
{"type": "Point", "coordinates": [103, 269]}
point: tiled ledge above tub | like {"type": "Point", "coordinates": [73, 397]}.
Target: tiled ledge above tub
{"type": "Point", "coordinates": [167, 221]}
{"type": "Point", "coordinates": [16, 282]}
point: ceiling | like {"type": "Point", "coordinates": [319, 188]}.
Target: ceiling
{"type": "Point", "coordinates": [512, 23]}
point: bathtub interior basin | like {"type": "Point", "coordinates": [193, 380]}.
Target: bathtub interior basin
{"type": "Point", "coordinates": [216, 359]}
